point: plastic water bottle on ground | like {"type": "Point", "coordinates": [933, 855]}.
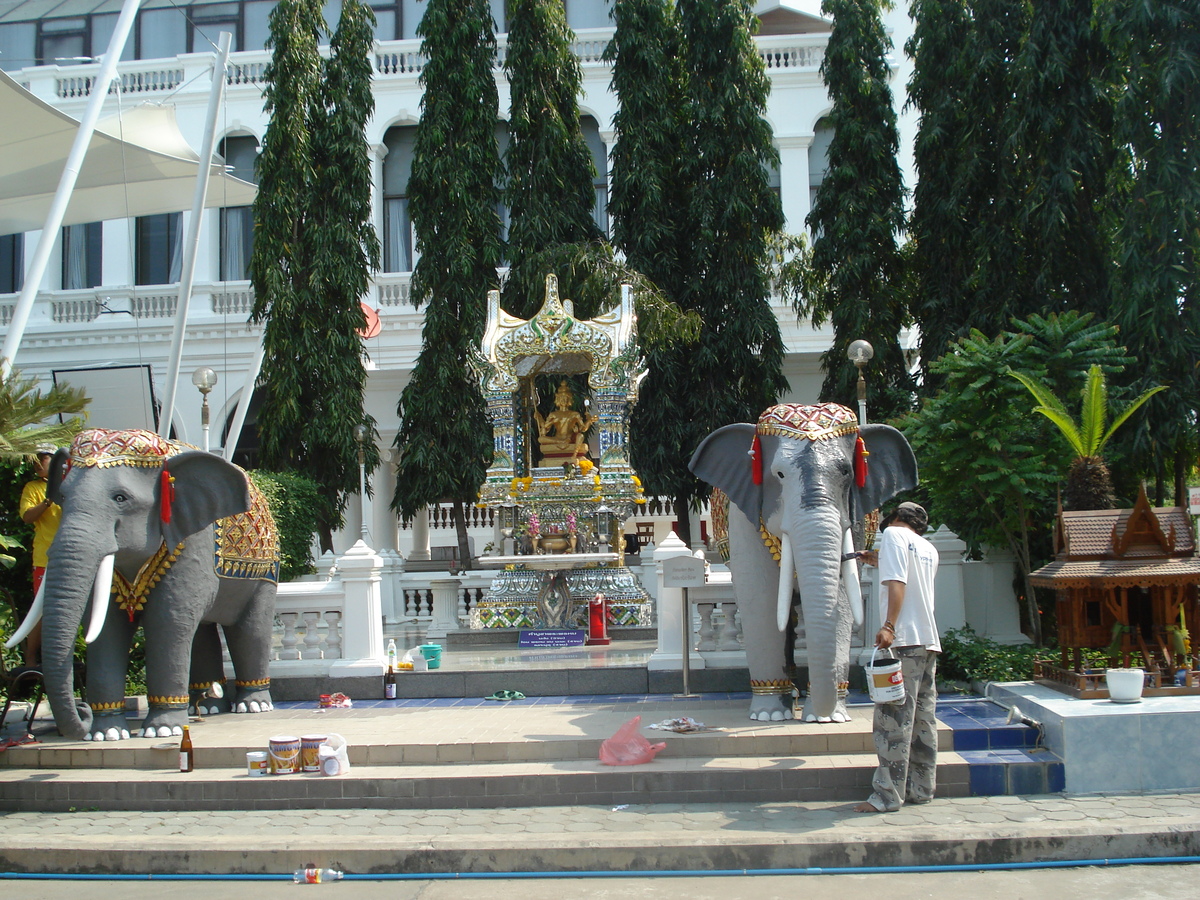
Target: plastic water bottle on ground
{"type": "Point", "coordinates": [313, 875]}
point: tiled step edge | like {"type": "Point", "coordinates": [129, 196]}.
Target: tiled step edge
{"type": "Point", "coordinates": [726, 779]}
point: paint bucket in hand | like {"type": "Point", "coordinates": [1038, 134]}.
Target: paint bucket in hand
{"type": "Point", "coordinates": [885, 683]}
{"type": "Point", "coordinates": [284, 754]}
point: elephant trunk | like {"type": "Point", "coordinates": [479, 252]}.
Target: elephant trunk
{"type": "Point", "coordinates": [69, 577]}
{"type": "Point", "coordinates": [815, 536]}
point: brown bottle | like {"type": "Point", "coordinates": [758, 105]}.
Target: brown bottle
{"type": "Point", "coordinates": [389, 685]}
{"type": "Point", "coordinates": [186, 762]}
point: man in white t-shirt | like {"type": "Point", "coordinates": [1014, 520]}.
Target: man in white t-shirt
{"type": "Point", "coordinates": [906, 731]}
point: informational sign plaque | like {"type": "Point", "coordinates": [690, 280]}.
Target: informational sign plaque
{"type": "Point", "coordinates": [552, 637]}
{"type": "Point", "coordinates": [683, 572]}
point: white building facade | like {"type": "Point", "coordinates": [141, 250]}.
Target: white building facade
{"type": "Point", "coordinates": [108, 298]}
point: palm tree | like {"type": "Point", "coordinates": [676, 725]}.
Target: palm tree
{"type": "Point", "coordinates": [1089, 485]}
{"type": "Point", "coordinates": [24, 411]}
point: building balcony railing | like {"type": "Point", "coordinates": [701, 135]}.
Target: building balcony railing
{"type": "Point", "coordinates": [392, 60]}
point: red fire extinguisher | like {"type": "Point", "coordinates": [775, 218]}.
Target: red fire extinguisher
{"type": "Point", "coordinates": [598, 621]}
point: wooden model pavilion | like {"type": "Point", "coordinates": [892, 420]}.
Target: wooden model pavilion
{"type": "Point", "coordinates": [1126, 580]}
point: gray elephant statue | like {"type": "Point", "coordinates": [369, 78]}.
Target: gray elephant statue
{"type": "Point", "coordinates": [171, 538]}
{"type": "Point", "coordinates": [798, 484]}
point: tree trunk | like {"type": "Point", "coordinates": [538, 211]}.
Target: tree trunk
{"type": "Point", "coordinates": [683, 516]}
{"type": "Point", "coordinates": [459, 518]}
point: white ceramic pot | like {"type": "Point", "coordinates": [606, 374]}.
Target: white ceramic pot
{"type": "Point", "coordinates": [1125, 685]}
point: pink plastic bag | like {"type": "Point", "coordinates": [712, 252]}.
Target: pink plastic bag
{"type": "Point", "coordinates": [627, 747]}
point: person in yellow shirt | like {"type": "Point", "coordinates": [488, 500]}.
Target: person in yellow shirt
{"type": "Point", "coordinates": [44, 516]}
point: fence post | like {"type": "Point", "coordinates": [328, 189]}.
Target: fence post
{"type": "Point", "coordinates": [362, 627]}
{"type": "Point", "coordinates": [445, 607]}
{"type": "Point", "coordinates": [669, 654]}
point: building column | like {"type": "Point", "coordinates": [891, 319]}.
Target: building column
{"type": "Point", "coordinates": [420, 535]}
{"type": "Point", "coordinates": [793, 180]}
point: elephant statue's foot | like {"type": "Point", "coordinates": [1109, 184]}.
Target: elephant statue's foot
{"type": "Point", "coordinates": [254, 702]}
{"type": "Point", "coordinates": [839, 714]}
{"type": "Point", "coordinates": [769, 708]}
{"type": "Point", "coordinates": [164, 722]}
{"type": "Point", "coordinates": [108, 728]}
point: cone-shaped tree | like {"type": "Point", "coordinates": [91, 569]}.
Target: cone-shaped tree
{"type": "Point", "coordinates": [734, 370]}
{"type": "Point", "coordinates": [1089, 484]}
{"type": "Point", "coordinates": [314, 247]}
{"type": "Point", "coordinates": [444, 440]}
{"type": "Point", "coordinates": [858, 213]}
{"type": "Point", "coordinates": [550, 194]}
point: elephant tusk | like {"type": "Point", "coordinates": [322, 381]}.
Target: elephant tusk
{"type": "Point", "coordinates": [34, 616]}
{"type": "Point", "coordinates": [787, 573]}
{"type": "Point", "coordinates": [100, 594]}
{"type": "Point", "coordinates": [850, 577]}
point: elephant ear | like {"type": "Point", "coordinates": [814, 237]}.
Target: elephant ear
{"type": "Point", "coordinates": [891, 468]}
{"type": "Point", "coordinates": [723, 460]}
{"type": "Point", "coordinates": [206, 488]}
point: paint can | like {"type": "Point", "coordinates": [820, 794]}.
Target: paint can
{"type": "Point", "coordinates": [284, 754]}
{"type": "Point", "coordinates": [309, 745]}
{"type": "Point", "coordinates": [885, 682]}
{"type": "Point", "coordinates": [256, 763]}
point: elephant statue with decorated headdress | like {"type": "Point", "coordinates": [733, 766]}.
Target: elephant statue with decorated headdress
{"type": "Point", "coordinates": [799, 481]}
{"type": "Point", "coordinates": [177, 540]}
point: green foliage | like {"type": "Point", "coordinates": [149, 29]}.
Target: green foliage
{"type": "Point", "coordinates": [858, 213]}
{"type": "Point", "coordinates": [313, 250]}
{"type": "Point", "coordinates": [1158, 229]}
{"type": "Point", "coordinates": [444, 441]}
{"type": "Point", "coordinates": [649, 198]}
{"type": "Point", "coordinates": [294, 501]}
{"type": "Point", "coordinates": [716, 258]}
{"type": "Point", "coordinates": [1060, 125]}
{"type": "Point", "coordinates": [550, 193]}
{"type": "Point", "coordinates": [967, 656]}
{"type": "Point", "coordinates": [989, 467]}
{"type": "Point", "coordinates": [25, 409]}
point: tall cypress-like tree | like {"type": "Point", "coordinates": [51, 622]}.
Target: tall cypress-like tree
{"type": "Point", "coordinates": [939, 227]}
{"type": "Point", "coordinates": [1156, 301]}
{"type": "Point", "coordinates": [859, 212]}
{"type": "Point", "coordinates": [734, 370]}
{"type": "Point", "coordinates": [649, 199]}
{"type": "Point", "coordinates": [445, 438]}
{"type": "Point", "coordinates": [314, 247]}
{"type": "Point", "coordinates": [967, 259]}
{"type": "Point", "coordinates": [1060, 125]}
{"type": "Point", "coordinates": [550, 194]}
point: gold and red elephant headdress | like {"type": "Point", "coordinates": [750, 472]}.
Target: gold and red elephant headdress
{"type": "Point", "coordinates": [814, 423]}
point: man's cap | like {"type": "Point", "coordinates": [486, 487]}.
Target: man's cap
{"type": "Point", "coordinates": [910, 514]}
{"type": "Point", "coordinates": [46, 449]}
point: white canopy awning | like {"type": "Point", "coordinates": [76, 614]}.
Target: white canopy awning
{"type": "Point", "coordinates": [152, 171]}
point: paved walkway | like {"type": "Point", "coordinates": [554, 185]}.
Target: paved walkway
{"type": "Point", "coordinates": [637, 837]}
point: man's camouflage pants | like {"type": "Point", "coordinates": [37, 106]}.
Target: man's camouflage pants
{"type": "Point", "coordinates": [906, 736]}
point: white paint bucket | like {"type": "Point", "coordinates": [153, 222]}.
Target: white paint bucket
{"type": "Point", "coordinates": [256, 763]}
{"type": "Point", "coordinates": [885, 682]}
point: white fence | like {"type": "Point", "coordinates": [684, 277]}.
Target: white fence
{"type": "Point", "coordinates": [334, 622]}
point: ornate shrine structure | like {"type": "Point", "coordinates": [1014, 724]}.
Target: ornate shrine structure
{"type": "Point", "coordinates": [560, 479]}
{"type": "Point", "coordinates": [1126, 581]}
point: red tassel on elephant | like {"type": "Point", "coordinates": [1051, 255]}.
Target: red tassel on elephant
{"type": "Point", "coordinates": [860, 462]}
{"type": "Point", "coordinates": [168, 496]}
{"type": "Point", "coordinates": [756, 460]}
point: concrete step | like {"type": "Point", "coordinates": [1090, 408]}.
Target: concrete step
{"type": "Point", "coordinates": [464, 786]}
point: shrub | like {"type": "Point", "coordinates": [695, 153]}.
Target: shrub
{"type": "Point", "coordinates": [967, 656]}
{"type": "Point", "coordinates": [294, 501]}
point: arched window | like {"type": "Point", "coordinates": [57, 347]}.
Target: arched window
{"type": "Point", "coordinates": [818, 158]}
{"type": "Point", "coordinates": [591, 134]}
{"type": "Point", "coordinates": [237, 222]}
{"type": "Point", "coordinates": [397, 226]}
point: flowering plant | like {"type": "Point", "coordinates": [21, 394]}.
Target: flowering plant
{"type": "Point", "coordinates": [586, 465]}
{"type": "Point", "coordinates": [571, 522]}
{"type": "Point", "coordinates": [535, 525]}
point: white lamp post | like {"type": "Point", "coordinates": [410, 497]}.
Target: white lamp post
{"type": "Point", "coordinates": [860, 353]}
{"type": "Point", "coordinates": [360, 435]}
{"type": "Point", "coordinates": [205, 379]}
